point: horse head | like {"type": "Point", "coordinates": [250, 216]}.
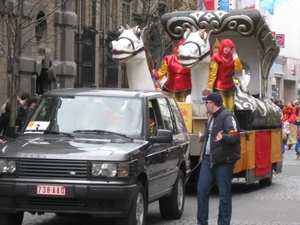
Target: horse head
{"type": "Point", "coordinates": [129, 44]}
{"type": "Point", "coordinates": [196, 48]}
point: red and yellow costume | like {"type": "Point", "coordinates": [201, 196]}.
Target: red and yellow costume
{"type": "Point", "coordinates": [221, 71]}
{"type": "Point", "coordinates": [178, 78]}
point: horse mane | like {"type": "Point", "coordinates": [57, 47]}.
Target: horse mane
{"type": "Point", "coordinates": [147, 49]}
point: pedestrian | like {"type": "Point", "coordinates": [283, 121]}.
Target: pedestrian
{"type": "Point", "coordinates": [4, 120]}
{"type": "Point", "coordinates": [31, 102]}
{"type": "Point", "coordinates": [289, 115]}
{"type": "Point", "coordinates": [22, 110]}
{"type": "Point", "coordinates": [221, 70]}
{"type": "Point", "coordinates": [220, 150]}
{"type": "Point", "coordinates": [297, 123]}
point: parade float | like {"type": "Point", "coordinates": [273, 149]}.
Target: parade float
{"type": "Point", "coordinates": [259, 117]}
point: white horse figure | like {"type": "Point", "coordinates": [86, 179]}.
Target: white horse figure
{"type": "Point", "coordinates": [130, 49]}
{"type": "Point", "coordinates": [195, 54]}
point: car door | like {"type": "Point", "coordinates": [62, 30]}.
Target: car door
{"type": "Point", "coordinates": [173, 121]}
{"type": "Point", "coordinates": [157, 155]}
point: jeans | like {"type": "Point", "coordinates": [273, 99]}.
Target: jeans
{"type": "Point", "coordinates": [221, 174]}
{"type": "Point", "coordinates": [297, 146]}
{"type": "Point", "coordinates": [283, 146]}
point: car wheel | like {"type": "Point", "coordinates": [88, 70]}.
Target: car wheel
{"type": "Point", "coordinates": [137, 211]}
{"type": "Point", "coordinates": [11, 218]}
{"type": "Point", "coordinates": [172, 207]}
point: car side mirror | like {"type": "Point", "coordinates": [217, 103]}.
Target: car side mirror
{"type": "Point", "coordinates": [162, 136]}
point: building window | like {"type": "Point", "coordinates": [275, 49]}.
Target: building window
{"type": "Point", "coordinates": [41, 27]}
{"type": "Point", "coordinates": [126, 12]}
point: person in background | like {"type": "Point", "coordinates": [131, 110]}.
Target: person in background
{"type": "Point", "coordinates": [4, 119]}
{"type": "Point", "coordinates": [297, 123]}
{"type": "Point", "coordinates": [3, 107]}
{"type": "Point", "coordinates": [289, 115]}
{"type": "Point", "coordinates": [221, 70]}
{"type": "Point", "coordinates": [281, 103]}
{"type": "Point", "coordinates": [22, 110]}
{"type": "Point", "coordinates": [31, 102]}
{"type": "Point", "coordinates": [178, 81]}
{"type": "Point", "coordinates": [220, 151]}
{"type": "Point", "coordinates": [155, 76]}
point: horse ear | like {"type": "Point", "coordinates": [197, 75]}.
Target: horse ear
{"type": "Point", "coordinates": [137, 31]}
{"type": "Point", "coordinates": [186, 33]}
{"type": "Point", "coordinates": [144, 34]}
{"type": "Point", "coordinates": [128, 27]}
{"type": "Point", "coordinates": [194, 29]}
{"type": "Point", "coordinates": [202, 33]}
{"type": "Point", "coordinates": [208, 34]}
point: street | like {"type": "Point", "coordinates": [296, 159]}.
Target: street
{"type": "Point", "coordinates": [277, 204]}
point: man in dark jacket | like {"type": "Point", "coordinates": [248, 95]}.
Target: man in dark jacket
{"type": "Point", "coordinates": [220, 149]}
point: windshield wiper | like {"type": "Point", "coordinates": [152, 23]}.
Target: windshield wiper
{"type": "Point", "coordinates": [57, 132]}
{"type": "Point", "coordinates": [101, 131]}
{"type": "Point", "coordinates": [50, 132]}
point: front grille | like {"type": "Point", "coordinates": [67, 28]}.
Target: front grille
{"type": "Point", "coordinates": [51, 202]}
{"type": "Point", "coordinates": [47, 168]}
{"type": "Point", "coordinates": [64, 203]}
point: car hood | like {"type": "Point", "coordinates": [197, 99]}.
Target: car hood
{"type": "Point", "coordinates": [57, 147]}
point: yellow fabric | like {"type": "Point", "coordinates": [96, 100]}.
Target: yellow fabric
{"type": "Point", "coordinates": [238, 67]}
{"type": "Point", "coordinates": [216, 44]}
{"type": "Point", "coordinates": [163, 70]}
{"type": "Point", "coordinates": [292, 137]}
{"type": "Point", "coordinates": [276, 146]}
{"type": "Point", "coordinates": [213, 69]}
{"type": "Point", "coordinates": [228, 99]}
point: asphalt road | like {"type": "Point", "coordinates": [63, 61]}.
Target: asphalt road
{"type": "Point", "coordinates": [278, 204]}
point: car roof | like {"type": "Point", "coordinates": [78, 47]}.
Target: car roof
{"type": "Point", "coordinates": [108, 92]}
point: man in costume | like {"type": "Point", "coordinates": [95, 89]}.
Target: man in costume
{"type": "Point", "coordinates": [178, 78]}
{"type": "Point", "coordinates": [221, 70]}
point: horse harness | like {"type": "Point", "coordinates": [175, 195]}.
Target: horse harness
{"type": "Point", "coordinates": [198, 46]}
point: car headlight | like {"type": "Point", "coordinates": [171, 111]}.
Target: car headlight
{"type": "Point", "coordinates": [7, 166]}
{"type": "Point", "coordinates": [104, 169]}
{"type": "Point", "coordinates": [110, 169]}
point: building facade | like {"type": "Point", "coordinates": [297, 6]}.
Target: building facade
{"type": "Point", "coordinates": [67, 43]}
{"type": "Point", "coordinates": [70, 42]}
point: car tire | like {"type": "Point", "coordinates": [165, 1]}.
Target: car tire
{"type": "Point", "coordinates": [11, 218]}
{"type": "Point", "coordinates": [172, 207]}
{"type": "Point", "coordinates": [137, 211]}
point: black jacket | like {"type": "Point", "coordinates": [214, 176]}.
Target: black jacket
{"type": "Point", "coordinates": [227, 150]}
{"type": "Point", "coordinates": [4, 122]}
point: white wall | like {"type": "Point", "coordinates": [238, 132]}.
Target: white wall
{"type": "Point", "coordinates": [286, 21]}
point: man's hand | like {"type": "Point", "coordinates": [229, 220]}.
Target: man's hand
{"type": "Point", "coordinates": [200, 135]}
{"type": "Point", "coordinates": [219, 136]}
{"type": "Point", "coordinates": [205, 92]}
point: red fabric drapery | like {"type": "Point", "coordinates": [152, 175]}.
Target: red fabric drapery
{"type": "Point", "coordinates": [262, 153]}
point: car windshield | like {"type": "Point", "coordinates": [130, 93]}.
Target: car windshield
{"type": "Point", "coordinates": [81, 114]}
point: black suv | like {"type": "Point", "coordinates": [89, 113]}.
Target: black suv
{"type": "Point", "coordinates": [102, 152]}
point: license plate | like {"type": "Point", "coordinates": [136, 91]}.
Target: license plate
{"type": "Point", "coordinates": [50, 190]}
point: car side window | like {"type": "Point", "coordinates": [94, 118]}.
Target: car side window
{"type": "Point", "coordinates": [167, 116]}
{"type": "Point", "coordinates": [178, 117]}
